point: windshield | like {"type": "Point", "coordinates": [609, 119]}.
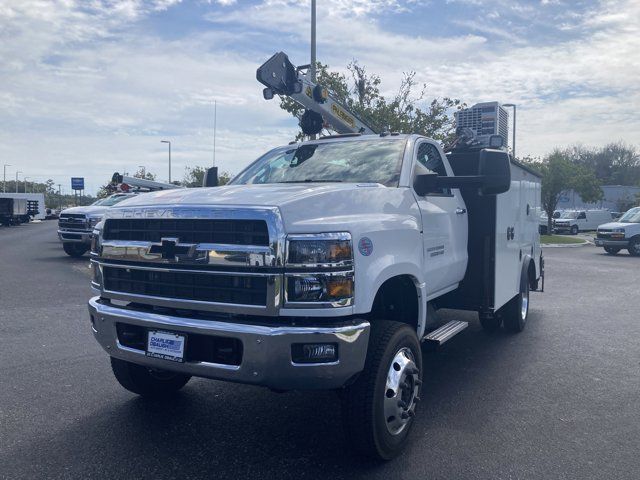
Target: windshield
{"type": "Point", "coordinates": [632, 216]}
{"type": "Point", "coordinates": [362, 161]}
{"type": "Point", "coordinates": [110, 201]}
{"type": "Point", "coordinates": [568, 214]}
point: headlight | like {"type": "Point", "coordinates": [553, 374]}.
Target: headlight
{"type": "Point", "coordinates": [335, 289]}
{"type": "Point", "coordinates": [319, 250]}
{"type": "Point", "coordinates": [93, 221]}
{"type": "Point", "coordinates": [319, 287]}
{"type": "Point", "coordinates": [95, 239]}
{"type": "Point", "coordinates": [96, 275]}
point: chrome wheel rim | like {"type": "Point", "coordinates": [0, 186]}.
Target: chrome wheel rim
{"type": "Point", "coordinates": [401, 391]}
{"type": "Point", "coordinates": [524, 308]}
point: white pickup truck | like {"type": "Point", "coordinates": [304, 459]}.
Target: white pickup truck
{"type": "Point", "coordinates": [625, 233]}
{"type": "Point", "coordinates": [320, 266]}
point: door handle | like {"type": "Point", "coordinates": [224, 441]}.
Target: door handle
{"type": "Point", "coordinates": [461, 211]}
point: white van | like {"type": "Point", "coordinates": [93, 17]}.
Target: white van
{"type": "Point", "coordinates": [574, 221]}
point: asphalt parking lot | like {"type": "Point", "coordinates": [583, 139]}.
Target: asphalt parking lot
{"type": "Point", "coordinates": [560, 400]}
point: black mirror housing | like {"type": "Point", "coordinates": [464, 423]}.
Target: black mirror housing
{"type": "Point", "coordinates": [495, 170]}
{"type": "Point", "coordinates": [210, 177]}
{"type": "Point", "coordinates": [425, 183]}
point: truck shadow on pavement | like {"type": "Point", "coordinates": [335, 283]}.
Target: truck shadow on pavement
{"type": "Point", "coordinates": [221, 430]}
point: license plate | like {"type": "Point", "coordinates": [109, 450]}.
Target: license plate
{"type": "Point", "coordinates": [599, 243]}
{"type": "Point", "coordinates": [166, 345]}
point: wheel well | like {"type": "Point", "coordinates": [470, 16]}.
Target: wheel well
{"type": "Point", "coordinates": [397, 299]}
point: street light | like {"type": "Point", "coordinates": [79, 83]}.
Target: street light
{"type": "Point", "coordinates": [4, 178]}
{"type": "Point", "coordinates": [17, 180]}
{"type": "Point", "coordinates": [513, 149]}
{"type": "Point", "coordinates": [167, 141]}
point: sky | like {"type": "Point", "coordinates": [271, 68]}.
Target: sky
{"type": "Point", "coordinates": [90, 87]}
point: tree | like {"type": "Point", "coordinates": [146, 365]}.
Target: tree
{"type": "Point", "coordinates": [193, 177]}
{"type": "Point", "coordinates": [613, 164]}
{"type": "Point", "coordinates": [142, 173]}
{"type": "Point", "coordinates": [405, 112]}
{"type": "Point", "coordinates": [559, 175]}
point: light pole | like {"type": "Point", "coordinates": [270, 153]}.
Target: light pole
{"type": "Point", "coordinates": [25, 184]}
{"type": "Point", "coordinates": [169, 142]}
{"type": "Point", "coordinates": [17, 180]}
{"type": "Point", "coordinates": [4, 178]}
{"type": "Point", "coordinates": [513, 148]}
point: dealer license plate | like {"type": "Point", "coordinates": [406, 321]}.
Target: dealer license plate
{"type": "Point", "coordinates": [599, 243]}
{"type": "Point", "coordinates": [166, 345]}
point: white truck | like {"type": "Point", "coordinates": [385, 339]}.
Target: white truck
{"type": "Point", "coordinates": [320, 266]}
{"type": "Point", "coordinates": [625, 233]}
{"type": "Point", "coordinates": [75, 225]}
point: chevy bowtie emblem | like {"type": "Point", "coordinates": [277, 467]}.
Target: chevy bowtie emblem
{"type": "Point", "coordinates": [170, 249]}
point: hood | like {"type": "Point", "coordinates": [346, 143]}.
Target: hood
{"type": "Point", "coordinates": [87, 210]}
{"type": "Point", "coordinates": [613, 225]}
{"type": "Point", "coordinates": [304, 207]}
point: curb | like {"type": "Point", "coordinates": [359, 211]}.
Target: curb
{"type": "Point", "coordinates": [565, 245]}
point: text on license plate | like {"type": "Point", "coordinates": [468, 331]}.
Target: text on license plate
{"type": "Point", "coordinates": [165, 345]}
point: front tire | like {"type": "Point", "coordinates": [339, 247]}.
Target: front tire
{"type": "Point", "coordinates": [75, 250]}
{"type": "Point", "coordinates": [516, 311]}
{"type": "Point", "coordinates": [611, 250]}
{"type": "Point", "coordinates": [574, 230]}
{"type": "Point", "coordinates": [378, 409]}
{"type": "Point", "coordinates": [634, 247]}
{"type": "Point", "coordinates": [146, 381]}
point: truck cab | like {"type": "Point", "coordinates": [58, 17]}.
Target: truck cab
{"type": "Point", "coordinates": [623, 234]}
{"type": "Point", "coordinates": [320, 266]}
{"type": "Point", "coordinates": [75, 225]}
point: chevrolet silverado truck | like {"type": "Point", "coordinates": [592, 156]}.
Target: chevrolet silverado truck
{"type": "Point", "coordinates": [625, 233]}
{"type": "Point", "coordinates": [75, 225]}
{"type": "Point", "coordinates": [320, 266]}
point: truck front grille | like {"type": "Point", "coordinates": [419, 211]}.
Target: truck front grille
{"type": "Point", "coordinates": [230, 232]}
{"type": "Point", "coordinates": [195, 286]}
{"type": "Point", "coordinates": [73, 221]}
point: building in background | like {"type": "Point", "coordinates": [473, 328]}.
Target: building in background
{"type": "Point", "coordinates": [617, 198]}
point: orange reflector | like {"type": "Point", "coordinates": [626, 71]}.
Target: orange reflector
{"type": "Point", "coordinates": [339, 287]}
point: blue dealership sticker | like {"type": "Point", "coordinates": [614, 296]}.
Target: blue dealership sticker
{"type": "Point", "coordinates": [365, 246]}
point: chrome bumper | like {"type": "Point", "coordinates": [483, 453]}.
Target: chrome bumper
{"type": "Point", "coordinates": [72, 236]}
{"type": "Point", "coordinates": [266, 350]}
{"type": "Point", "coordinates": [602, 242]}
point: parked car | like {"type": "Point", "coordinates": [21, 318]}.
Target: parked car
{"type": "Point", "coordinates": [574, 221]}
{"type": "Point", "coordinates": [544, 223]}
{"type": "Point", "coordinates": [625, 233]}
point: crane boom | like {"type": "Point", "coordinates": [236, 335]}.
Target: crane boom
{"type": "Point", "coordinates": [281, 77]}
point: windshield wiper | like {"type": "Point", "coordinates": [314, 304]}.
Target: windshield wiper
{"type": "Point", "coordinates": [311, 180]}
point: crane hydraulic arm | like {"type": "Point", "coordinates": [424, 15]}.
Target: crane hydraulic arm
{"type": "Point", "coordinates": [281, 77]}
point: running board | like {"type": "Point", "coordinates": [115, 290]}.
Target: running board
{"type": "Point", "coordinates": [445, 332]}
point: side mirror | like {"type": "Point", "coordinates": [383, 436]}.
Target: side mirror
{"type": "Point", "coordinates": [425, 183]}
{"type": "Point", "coordinates": [210, 177]}
{"type": "Point", "coordinates": [495, 171]}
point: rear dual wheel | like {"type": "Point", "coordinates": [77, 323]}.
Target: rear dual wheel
{"type": "Point", "coordinates": [378, 409]}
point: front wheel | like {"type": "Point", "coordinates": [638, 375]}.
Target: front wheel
{"type": "Point", "coordinates": [145, 381]}
{"type": "Point", "coordinates": [75, 249]}
{"type": "Point", "coordinates": [611, 250]}
{"type": "Point", "coordinates": [378, 409]}
{"type": "Point", "coordinates": [574, 230]}
{"type": "Point", "coordinates": [634, 247]}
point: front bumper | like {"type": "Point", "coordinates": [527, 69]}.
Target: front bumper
{"type": "Point", "coordinates": [602, 242]}
{"type": "Point", "coordinates": [75, 236]}
{"type": "Point", "coordinates": [266, 350]}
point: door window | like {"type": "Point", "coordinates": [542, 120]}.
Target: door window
{"type": "Point", "coordinates": [429, 160]}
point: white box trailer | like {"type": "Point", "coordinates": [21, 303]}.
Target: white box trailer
{"type": "Point", "coordinates": [30, 197]}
